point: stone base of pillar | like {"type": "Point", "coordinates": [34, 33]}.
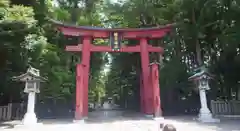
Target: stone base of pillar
{"type": "Point", "coordinates": [206, 116]}
{"type": "Point", "coordinates": [79, 121]}
{"type": "Point", "coordinates": [148, 116]}
{"type": "Point", "coordinates": [85, 117]}
{"type": "Point", "coordinates": [159, 118]}
{"type": "Point", "coordinates": [29, 119]}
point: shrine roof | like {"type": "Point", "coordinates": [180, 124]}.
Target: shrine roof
{"type": "Point", "coordinates": [95, 28]}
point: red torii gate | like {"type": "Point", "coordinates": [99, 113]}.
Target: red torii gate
{"type": "Point", "coordinates": [150, 93]}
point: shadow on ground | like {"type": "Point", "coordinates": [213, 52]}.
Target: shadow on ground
{"type": "Point", "coordinates": [96, 117]}
{"type": "Point", "coordinates": [182, 123]}
{"type": "Point", "coordinates": [5, 125]}
{"type": "Point", "coordinates": [224, 125]}
{"type": "Point", "coordinates": [101, 117]}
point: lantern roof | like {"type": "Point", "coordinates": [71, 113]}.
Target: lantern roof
{"type": "Point", "coordinates": [202, 73]}
{"type": "Point", "coordinates": [32, 74]}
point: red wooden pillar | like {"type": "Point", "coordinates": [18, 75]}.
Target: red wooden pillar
{"type": "Point", "coordinates": [156, 90]}
{"type": "Point", "coordinates": [150, 91]}
{"type": "Point", "coordinates": [86, 63]}
{"type": "Point", "coordinates": [145, 74]}
{"type": "Point", "coordinates": [141, 95]}
{"type": "Point", "coordinates": [79, 92]}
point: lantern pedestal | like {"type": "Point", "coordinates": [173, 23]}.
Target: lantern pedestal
{"type": "Point", "coordinates": [206, 117]}
{"type": "Point", "coordinates": [30, 119]}
{"type": "Point", "coordinates": [30, 116]}
{"type": "Point", "coordinates": [204, 114]}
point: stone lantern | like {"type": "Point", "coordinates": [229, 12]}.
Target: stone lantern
{"type": "Point", "coordinates": [201, 78]}
{"type": "Point", "coordinates": [32, 81]}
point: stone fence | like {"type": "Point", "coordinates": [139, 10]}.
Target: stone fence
{"type": "Point", "coordinates": [12, 111]}
{"type": "Point", "coordinates": [225, 107]}
{"type": "Point", "coordinates": [15, 111]}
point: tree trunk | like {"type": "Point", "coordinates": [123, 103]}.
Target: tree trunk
{"type": "Point", "coordinates": [198, 47]}
{"type": "Point", "coordinates": [198, 53]}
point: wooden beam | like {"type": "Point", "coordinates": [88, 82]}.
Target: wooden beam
{"type": "Point", "coordinates": [155, 49]}
{"type": "Point", "coordinates": [146, 34]}
{"type": "Point", "coordinates": [104, 34]}
{"type": "Point", "coordinates": [109, 49]}
{"type": "Point", "coordinates": [74, 48]}
{"type": "Point", "coordinates": [78, 48]}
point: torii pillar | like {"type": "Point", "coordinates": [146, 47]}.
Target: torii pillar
{"type": "Point", "coordinates": [79, 96]}
{"type": "Point", "coordinates": [157, 110]}
{"type": "Point", "coordinates": [145, 76]}
{"type": "Point", "coordinates": [86, 54]}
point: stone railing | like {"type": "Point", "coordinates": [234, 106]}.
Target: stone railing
{"type": "Point", "coordinates": [5, 112]}
{"type": "Point", "coordinates": [225, 107]}
{"type": "Point", "coordinates": [12, 111]}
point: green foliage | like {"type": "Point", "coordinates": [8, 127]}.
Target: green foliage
{"type": "Point", "coordinates": [208, 35]}
{"type": "Point", "coordinates": [16, 22]}
{"type": "Point", "coordinates": [20, 14]}
{"type": "Point", "coordinates": [26, 38]}
{"type": "Point", "coordinates": [4, 3]}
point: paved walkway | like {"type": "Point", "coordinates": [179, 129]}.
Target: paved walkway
{"type": "Point", "coordinates": [127, 122]}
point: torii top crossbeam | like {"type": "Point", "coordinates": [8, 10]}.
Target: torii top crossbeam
{"type": "Point", "coordinates": [127, 33]}
{"type": "Point", "coordinates": [105, 33]}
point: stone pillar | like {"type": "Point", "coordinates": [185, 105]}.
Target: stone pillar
{"type": "Point", "coordinates": [30, 116]}
{"type": "Point", "coordinates": [204, 114]}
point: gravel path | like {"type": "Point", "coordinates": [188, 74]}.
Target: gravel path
{"type": "Point", "coordinates": [126, 122]}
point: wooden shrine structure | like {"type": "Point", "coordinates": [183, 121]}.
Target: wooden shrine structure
{"type": "Point", "coordinates": [150, 93]}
